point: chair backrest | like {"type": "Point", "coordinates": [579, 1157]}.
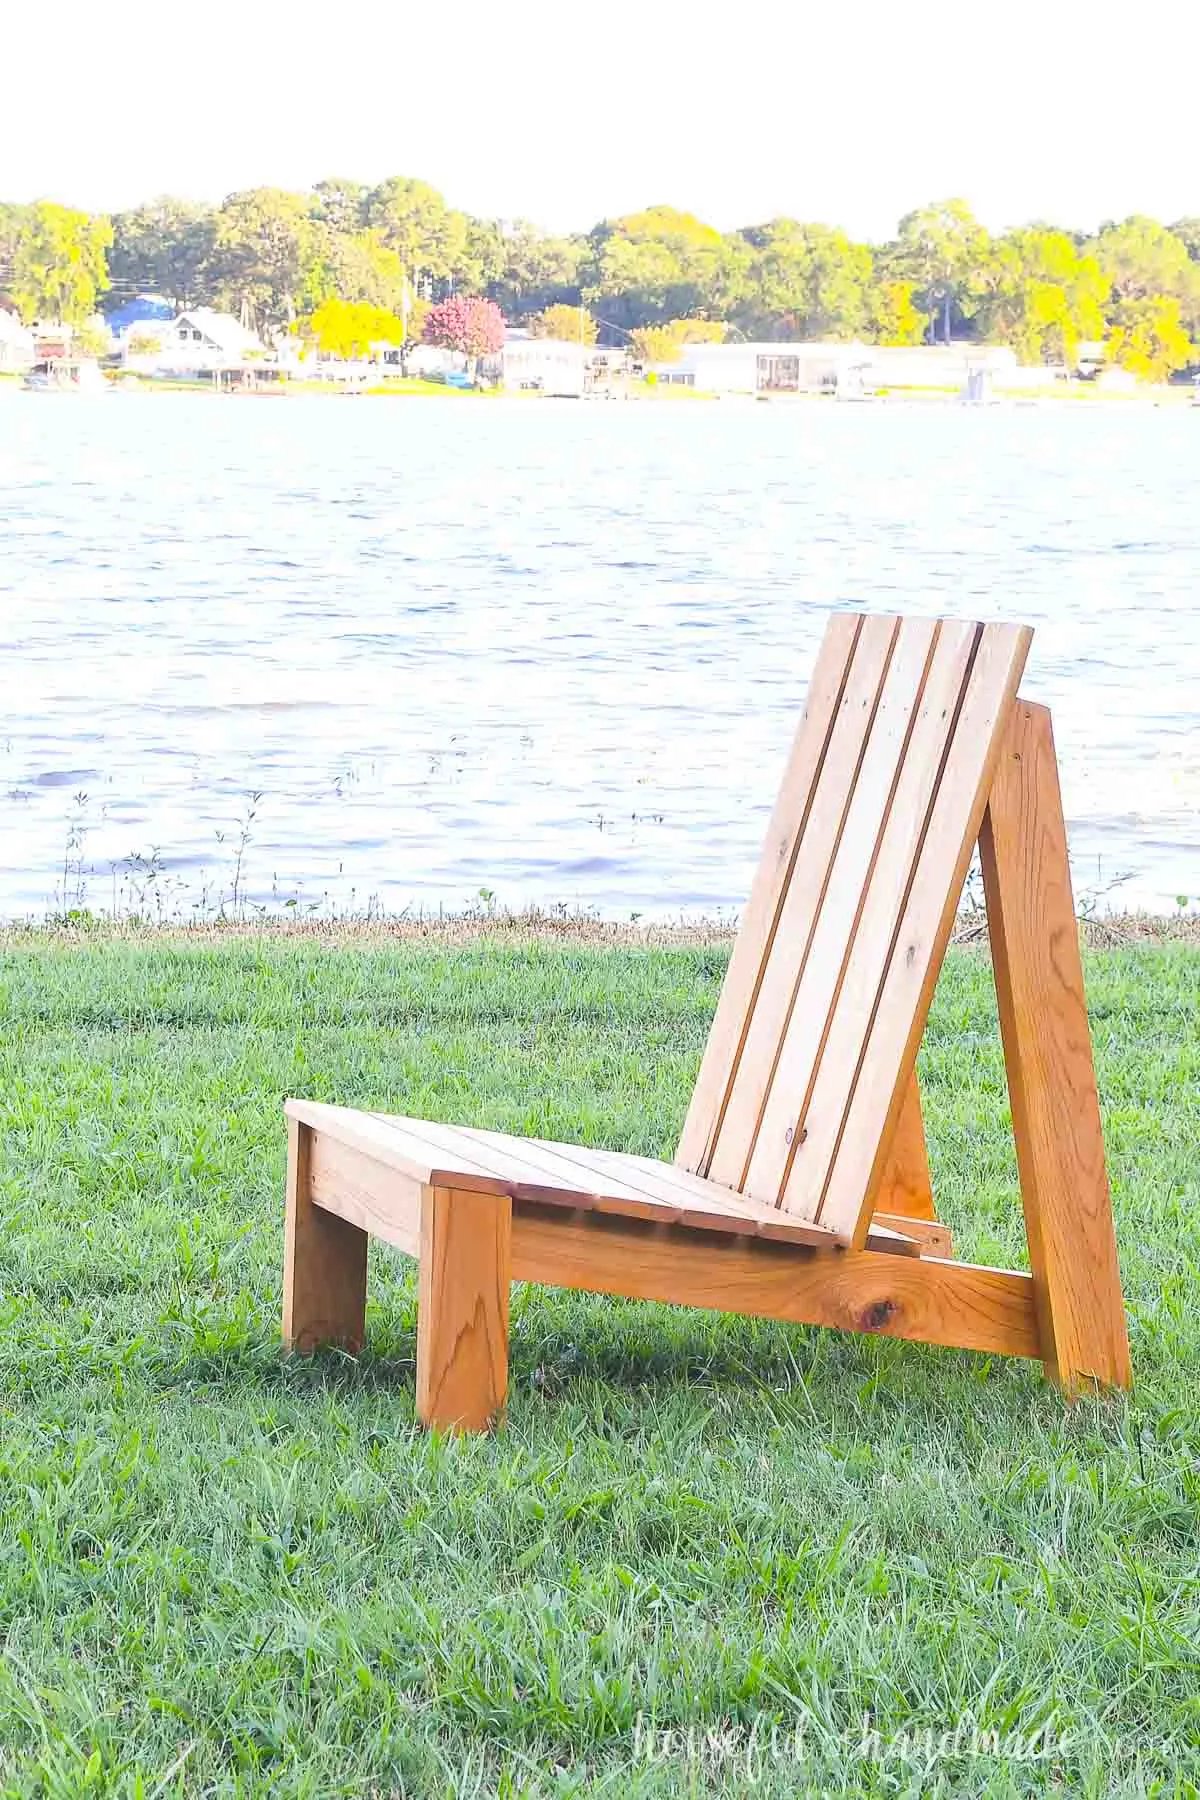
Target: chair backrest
{"type": "Point", "coordinates": [828, 988]}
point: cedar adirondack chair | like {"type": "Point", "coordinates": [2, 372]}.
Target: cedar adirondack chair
{"type": "Point", "coordinates": [800, 1189]}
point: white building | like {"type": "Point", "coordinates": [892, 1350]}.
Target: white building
{"type": "Point", "coordinates": [17, 346]}
{"type": "Point", "coordinates": [200, 342]}
{"type": "Point", "coordinates": [545, 365]}
{"type": "Point", "coordinates": [814, 368]}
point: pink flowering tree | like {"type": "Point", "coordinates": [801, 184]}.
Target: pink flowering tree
{"type": "Point", "coordinates": [471, 326]}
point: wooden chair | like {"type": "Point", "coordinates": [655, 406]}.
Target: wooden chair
{"type": "Point", "coordinates": [800, 1189]}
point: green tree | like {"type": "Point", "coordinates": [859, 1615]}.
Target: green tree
{"type": "Point", "coordinates": [58, 268]}
{"type": "Point", "coordinates": [1188, 233]}
{"type": "Point", "coordinates": [1142, 260]}
{"type": "Point", "coordinates": [804, 282]}
{"type": "Point", "coordinates": [536, 271]}
{"type": "Point", "coordinates": [659, 264]}
{"type": "Point", "coordinates": [265, 250]}
{"type": "Point", "coordinates": [1043, 296]}
{"type": "Point", "coordinates": [575, 324]}
{"type": "Point", "coordinates": [340, 204]}
{"type": "Point", "coordinates": [413, 219]}
{"type": "Point", "coordinates": [1149, 339]}
{"type": "Point", "coordinates": [480, 262]}
{"type": "Point", "coordinates": [164, 247]}
{"type": "Point", "coordinates": [353, 266]}
{"type": "Point", "coordinates": [10, 231]}
{"type": "Point", "coordinates": [942, 249]}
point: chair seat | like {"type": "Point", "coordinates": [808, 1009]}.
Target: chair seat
{"type": "Point", "coordinates": [578, 1177]}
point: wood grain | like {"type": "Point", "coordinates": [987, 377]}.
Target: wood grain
{"type": "Point", "coordinates": [919, 945]}
{"type": "Point", "coordinates": [751, 951]}
{"type": "Point", "coordinates": [800, 912]}
{"type": "Point", "coordinates": [363, 1185]}
{"type": "Point", "coordinates": [907, 1186]}
{"type": "Point", "coordinates": [364, 1191]}
{"type": "Point", "coordinates": [808, 1122]}
{"type": "Point", "coordinates": [1048, 1056]}
{"type": "Point", "coordinates": [934, 1302]}
{"type": "Point", "coordinates": [325, 1262]}
{"type": "Point", "coordinates": [850, 886]}
{"type": "Point", "coordinates": [462, 1308]}
{"type": "Point", "coordinates": [932, 1237]}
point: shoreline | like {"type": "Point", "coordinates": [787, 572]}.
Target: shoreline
{"type": "Point", "coordinates": [529, 928]}
{"type": "Point", "coordinates": [1067, 393]}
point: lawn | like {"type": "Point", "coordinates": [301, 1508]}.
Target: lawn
{"type": "Point", "coordinates": [225, 1574]}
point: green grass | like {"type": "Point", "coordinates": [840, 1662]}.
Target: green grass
{"type": "Point", "coordinates": [224, 1574]}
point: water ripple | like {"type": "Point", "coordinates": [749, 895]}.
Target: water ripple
{"type": "Point", "coordinates": [557, 653]}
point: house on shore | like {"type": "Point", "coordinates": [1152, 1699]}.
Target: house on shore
{"type": "Point", "coordinates": [817, 368]}
{"type": "Point", "coordinates": [543, 365]}
{"type": "Point", "coordinates": [556, 366]}
{"type": "Point", "coordinates": [195, 343]}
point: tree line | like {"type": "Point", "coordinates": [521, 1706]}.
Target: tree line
{"type": "Point", "coordinates": [655, 278]}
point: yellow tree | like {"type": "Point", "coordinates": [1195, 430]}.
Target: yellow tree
{"type": "Point", "coordinates": [574, 324]}
{"type": "Point", "coordinates": [349, 328]}
{"type": "Point", "coordinates": [1042, 296]}
{"type": "Point", "coordinates": [58, 267]}
{"type": "Point", "coordinates": [894, 316]}
{"type": "Point", "coordinates": [664, 343]}
{"type": "Point", "coordinates": [1149, 339]}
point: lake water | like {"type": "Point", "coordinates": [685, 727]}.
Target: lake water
{"type": "Point", "coordinates": [551, 651]}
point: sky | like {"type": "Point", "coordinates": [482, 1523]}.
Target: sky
{"type": "Point", "coordinates": [566, 116]}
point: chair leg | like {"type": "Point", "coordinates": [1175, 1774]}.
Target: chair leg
{"type": "Point", "coordinates": [462, 1308]}
{"type": "Point", "coordinates": [1048, 1056]}
{"type": "Point", "coordinates": [325, 1263]}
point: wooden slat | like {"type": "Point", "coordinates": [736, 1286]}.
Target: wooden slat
{"type": "Point", "coordinates": [802, 903]}
{"type": "Point", "coordinates": [930, 1235]}
{"type": "Point", "coordinates": [889, 1056]}
{"type": "Point", "coordinates": [377, 1136]}
{"type": "Point", "coordinates": [853, 889]}
{"type": "Point", "coordinates": [580, 1176]}
{"type": "Point", "coordinates": [907, 1186]}
{"type": "Point", "coordinates": [709, 1207]}
{"type": "Point", "coordinates": [366, 1187]}
{"type": "Point", "coordinates": [1048, 1055]}
{"type": "Point", "coordinates": [803, 1126]}
{"type": "Point", "coordinates": [555, 1166]}
{"type": "Point", "coordinates": [678, 1187]}
{"type": "Point", "coordinates": [491, 1163]}
{"type": "Point", "coordinates": [933, 1302]}
{"type": "Point", "coordinates": [748, 961]}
